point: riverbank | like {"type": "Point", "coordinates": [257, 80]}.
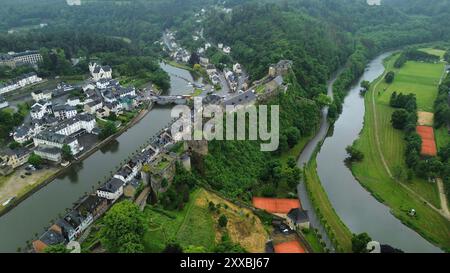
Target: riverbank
{"type": "Point", "coordinates": [42, 182]}
{"type": "Point", "coordinates": [339, 234]}
{"type": "Point", "coordinates": [373, 173]}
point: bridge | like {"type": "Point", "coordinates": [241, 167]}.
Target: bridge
{"type": "Point", "coordinates": [164, 100]}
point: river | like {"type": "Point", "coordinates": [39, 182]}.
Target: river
{"type": "Point", "coordinates": [33, 216]}
{"type": "Point", "coordinates": [357, 208]}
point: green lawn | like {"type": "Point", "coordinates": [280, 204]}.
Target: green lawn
{"type": "Point", "coordinates": [418, 78]}
{"type": "Point", "coordinates": [313, 241]}
{"type": "Point", "coordinates": [442, 137]}
{"type": "Point", "coordinates": [193, 225]}
{"type": "Point", "coordinates": [434, 51]}
{"type": "Point", "coordinates": [336, 229]}
{"type": "Point", "coordinates": [197, 228]}
{"type": "Point", "coordinates": [371, 172]}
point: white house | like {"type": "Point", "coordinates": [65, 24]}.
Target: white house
{"type": "Point", "coordinates": [79, 122]}
{"type": "Point", "coordinates": [100, 72]}
{"type": "Point", "coordinates": [24, 133]}
{"type": "Point", "coordinates": [112, 190]}
{"type": "Point", "coordinates": [237, 68]}
{"type": "Point", "coordinates": [52, 139]}
{"type": "Point", "coordinates": [3, 102]}
{"type": "Point", "coordinates": [41, 95]}
{"type": "Point", "coordinates": [126, 173]}
{"type": "Point", "coordinates": [39, 109]}
{"type": "Point", "coordinates": [20, 82]}
{"type": "Point", "coordinates": [73, 101]}
{"type": "Point", "coordinates": [8, 87]}
{"type": "Point", "coordinates": [102, 83]}
{"type": "Point", "coordinates": [93, 106]}
{"type": "Point", "coordinates": [297, 219]}
{"type": "Point", "coordinates": [28, 79]}
{"type": "Point", "coordinates": [49, 153]}
{"type": "Point", "coordinates": [227, 50]}
{"type": "Point", "coordinates": [64, 111]}
{"type": "Point", "coordinates": [88, 86]}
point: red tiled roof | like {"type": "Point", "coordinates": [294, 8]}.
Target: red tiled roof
{"type": "Point", "coordinates": [276, 205]}
{"type": "Point", "coordinates": [428, 142]}
{"type": "Point", "coordinates": [289, 247]}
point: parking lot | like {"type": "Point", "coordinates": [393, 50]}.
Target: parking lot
{"type": "Point", "coordinates": [17, 183]}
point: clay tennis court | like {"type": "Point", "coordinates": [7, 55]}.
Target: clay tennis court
{"type": "Point", "coordinates": [276, 205]}
{"type": "Point", "coordinates": [425, 118]}
{"type": "Point", "coordinates": [426, 133]}
{"type": "Point", "coordinates": [289, 247]}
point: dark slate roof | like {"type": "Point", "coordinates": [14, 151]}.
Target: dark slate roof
{"type": "Point", "coordinates": [212, 99]}
{"type": "Point", "coordinates": [298, 215]}
{"type": "Point", "coordinates": [48, 149]}
{"type": "Point", "coordinates": [21, 131]}
{"type": "Point", "coordinates": [19, 152]}
{"type": "Point", "coordinates": [90, 203]}
{"type": "Point", "coordinates": [5, 57]}
{"type": "Point", "coordinates": [112, 185]}
{"type": "Point", "coordinates": [243, 98]}
{"type": "Point", "coordinates": [64, 107]}
{"type": "Point", "coordinates": [53, 137]}
{"type": "Point", "coordinates": [390, 249]}
{"type": "Point", "coordinates": [75, 119]}
{"type": "Point", "coordinates": [74, 218]}
{"type": "Point", "coordinates": [125, 171]}
{"type": "Point", "coordinates": [134, 183]}
{"type": "Point", "coordinates": [25, 53]}
{"type": "Point", "coordinates": [65, 226]}
{"type": "Point", "coordinates": [106, 68]}
{"type": "Point", "coordinates": [51, 237]}
{"type": "Point", "coordinates": [94, 102]}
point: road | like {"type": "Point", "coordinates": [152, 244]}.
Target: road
{"type": "Point", "coordinates": [305, 157]}
{"type": "Point", "coordinates": [443, 197]}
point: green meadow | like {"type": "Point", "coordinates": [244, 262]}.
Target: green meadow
{"type": "Point", "coordinates": [418, 78]}
{"type": "Point", "coordinates": [421, 79]}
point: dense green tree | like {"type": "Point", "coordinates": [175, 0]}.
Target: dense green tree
{"type": "Point", "coordinates": [59, 248]}
{"type": "Point", "coordinates": [107, 130]}
{"type": "Point", "coordinates": [399, 119]}
{"type": "Point", "coordinates": [66, 152]}
{"type": "Point", "coordinates": [35, 160]}
{"type": "Point", "coordinates": [293, 136]}
{"type": "Point", "coordinates": [223, 221]}
{"type": "Point", "coordinates": [123, 227]}
{"type": "Point", "coordinates": [359, 242]}
{"type": "Point", "coordinates": [389, 77]}
{"type": "Point", "coordinates": [173, 247]}
{"type": "Point", "coordinates": [354, 154]}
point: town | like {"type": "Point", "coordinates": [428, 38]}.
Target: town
{"type": "Point", "coordinates": [201, 126]}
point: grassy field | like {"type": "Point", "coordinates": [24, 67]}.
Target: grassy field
{"type": "Point", "coordinates": [371, 172]}
{"type": "Point", "coordinates": [313, 241]}
{"type": "Point", "coordinates": [337, 230]}
{"type": "Point", "coordinates": [442, 137]}
{"type": "Point", "coordinates": [418, 78]}
{"type": "Point", "coordinates": [179, 225]}
{"type": "Point", "coordinates": [434, 51]}
{"type": "Point", "coordinates": [195, 225]}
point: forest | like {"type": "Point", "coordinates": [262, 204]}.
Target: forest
{"type": "Point", "coordinates": [319, 40]}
